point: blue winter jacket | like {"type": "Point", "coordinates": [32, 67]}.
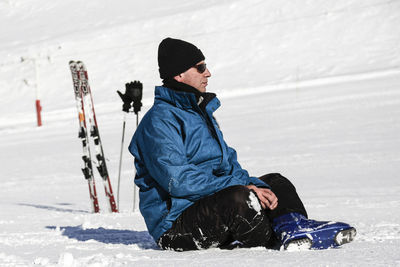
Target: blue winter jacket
{"type": "Point", "coordinates": [180, 157]}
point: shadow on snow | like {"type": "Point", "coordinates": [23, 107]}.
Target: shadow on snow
{"type": "Point", "coordinates": [52, 208]}
{"type": "Point", "coordinates": [109, 236]}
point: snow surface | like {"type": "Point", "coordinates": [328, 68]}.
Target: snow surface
{"type": "Point", "coordinates": [309, 89]}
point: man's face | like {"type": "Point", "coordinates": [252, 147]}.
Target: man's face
{"type": "Point", "coordinates": [194, 78]}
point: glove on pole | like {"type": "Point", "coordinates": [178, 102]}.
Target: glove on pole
{"type": "Point", "coordinates": [132, 97]}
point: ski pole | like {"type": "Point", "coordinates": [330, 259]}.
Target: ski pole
{"type": "Point", "coordinates": [134, 187]}
{"type": "Point", "coordinates": [120, 158]}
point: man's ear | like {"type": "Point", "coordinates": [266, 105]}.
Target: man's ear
{"type": "Point", "coordinates": [179, 77]}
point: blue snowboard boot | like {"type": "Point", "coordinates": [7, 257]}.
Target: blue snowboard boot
{"type": "Point", "coordinates": [296, 232]}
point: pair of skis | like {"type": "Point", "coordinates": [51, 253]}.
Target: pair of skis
{"type": "Point", "coordinates": [88, 129]}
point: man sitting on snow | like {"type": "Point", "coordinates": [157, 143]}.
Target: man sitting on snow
{"type": "Point", "coordinates": [193, 192]}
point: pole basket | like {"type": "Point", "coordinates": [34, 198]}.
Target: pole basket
{"type": "Point", "coordinates": [38, 113]}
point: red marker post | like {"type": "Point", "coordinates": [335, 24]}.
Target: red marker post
{"type": "Point", "coordinates": [38, 113]}
{"type": "Point", "coordinates": [37, 102]}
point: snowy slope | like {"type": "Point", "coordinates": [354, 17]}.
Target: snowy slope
{"type": "Point", "coordinates": [315, 96]}
{"type": "Point", "coordinates": [339, 144]}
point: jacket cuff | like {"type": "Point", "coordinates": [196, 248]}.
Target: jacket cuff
{"type": "Point", "coordinates": [257, 182]}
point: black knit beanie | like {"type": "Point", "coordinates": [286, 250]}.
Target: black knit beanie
{"type": "Point", "coordinates": [176, 56]}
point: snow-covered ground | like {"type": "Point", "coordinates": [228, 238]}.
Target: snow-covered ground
{"type": "Point", "coordinates": [309, 89]}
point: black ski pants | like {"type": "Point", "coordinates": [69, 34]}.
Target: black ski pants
{"type": "Point", "coordinates": [231, 218]}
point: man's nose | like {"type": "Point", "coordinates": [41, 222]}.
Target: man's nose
{"type": "Point", "coordinates": [207, 73]}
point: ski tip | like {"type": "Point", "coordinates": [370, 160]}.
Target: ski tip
{"type": "Point", "coordinates": [81, 65]}
{"type": "Point", "coordinates": [78, 63]}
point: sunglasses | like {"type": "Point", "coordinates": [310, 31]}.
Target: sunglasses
{"type": "Point", "coordinates": [200, 67]}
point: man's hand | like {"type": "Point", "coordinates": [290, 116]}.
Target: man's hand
{"type": "Point", "coordinates": [266, 196]}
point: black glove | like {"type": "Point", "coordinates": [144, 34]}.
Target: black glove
{"type": "Point", "coordinates": [133, 93]}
